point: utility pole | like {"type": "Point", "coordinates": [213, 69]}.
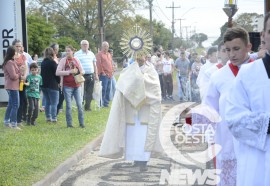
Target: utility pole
{"type": "Point", "coordinates": [101, 22]}
{"type": "Point", "coordinates": [181, 37]}
{"type": "Point", "coordinates": [151, 20]}
{"type": "Point", "coordinates": [173, 7]}
{"type": "Point", "coordinates": [186, 27]}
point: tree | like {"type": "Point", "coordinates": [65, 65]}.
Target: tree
{"type": "Point", "coordinates": [162, 35]}
{"type": "Point", "coordinates": [79, 18]}
{"type": "Point", "coordinates": [223, 29]}
{"type": "Point", "coordinates": [199, 38]}
{"type": "Point", "coordinates": [246, 21]}
{"type": "Point", "coordinates": [65, 41]}
{"type": "Point", "coordinates": [40, 34]}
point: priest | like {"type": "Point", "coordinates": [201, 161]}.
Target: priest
{"type": "Point", "coordinates": [133, 124]}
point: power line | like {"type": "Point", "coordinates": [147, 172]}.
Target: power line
{"type": "Point", "coordinates": [160, 17]}
{"type": "Point", "coordinates": [162, 11]}
{"type": "Point", "coordinates": [173, 7]}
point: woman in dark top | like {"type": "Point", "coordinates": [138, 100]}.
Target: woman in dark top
{"type": "Point", "coordinates": [50, 86]}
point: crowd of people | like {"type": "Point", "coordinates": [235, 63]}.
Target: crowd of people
{"type": "Point", "coordinates": [58, 80]}
{"type": "Point", "coordinates": [229, 79]}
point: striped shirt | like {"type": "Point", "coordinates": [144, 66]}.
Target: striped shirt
{"type": "Point", "coordinates": [87, 60]}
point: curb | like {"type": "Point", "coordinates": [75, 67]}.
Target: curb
{"type": "Point", "coordinates": [53, 176]}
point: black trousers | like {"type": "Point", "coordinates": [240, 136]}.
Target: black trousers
{"type": "Point", "coordinates": [168, 84]}
{"type": "Point", "coordinates": [88, 90]}
{"type": "Point", "coordinates": [33, 108]}
{"type": "Point", "coordinates": [161, 84]}
{"type": "Point", "coordinates": [21, 115]}
{"type": "Point", "coordinates": [61, 100]}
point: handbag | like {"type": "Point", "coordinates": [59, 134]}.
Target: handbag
{"type": "Point", "coordinates": [79, 78]}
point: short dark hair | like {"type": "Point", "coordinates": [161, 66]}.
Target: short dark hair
{"type": "Point", "coordinates": [234, 33]}
{"type": "Point", "coordinates": [33, 65]}
{"type": "Point", "coordinates": [211, 50]}
{"type": "Point", "coordinates": [167, 53]}
{"type": "Point", "coordinates": [220, 45]}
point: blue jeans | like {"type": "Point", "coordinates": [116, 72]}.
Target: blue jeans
{"type": "Point", "coordinates": [12, 108]}
{"type": "Point", "coordinates": [106, 87]}
{"type": "Point", "coordinates": [52, 98]}
{"type": "Point", "coordinates": [182, 93]}
{"type": "Point", "coordinates": [113, 88]}
{"type": "Point", "coordinates": [69, 92]}
{"type": "Point", "coordinates": [43, 100]}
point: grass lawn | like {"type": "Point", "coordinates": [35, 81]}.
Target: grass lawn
{"type": "Point", "coordinates": [27, 156]}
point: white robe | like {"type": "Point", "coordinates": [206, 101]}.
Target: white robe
{"type": "Point", "coordinates": [219, 86]}
{"type": "Point", "coordinates": [247, 114]}
{"type": "Point", "coordinates": [135, 145]}
{"type": "Point", "coordinates": [137, 96]}
{"type": "Point", "coordinates": [203, 79]}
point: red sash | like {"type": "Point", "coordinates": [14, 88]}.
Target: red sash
{"type": "Point", "coordinates": [235, 69]}
{"type": "Point", "coordinates": [219, 66]}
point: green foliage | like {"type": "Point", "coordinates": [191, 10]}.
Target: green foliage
{"type": "Point", "coordinates": [28, 155]}
{"type": "Point", "coordinates": [245, 20]}
{"type": "Point", "coordinates": [162, 35]}
{"type": "Point", "coordinates": [222, 31]}
{"type": "Point", "coordinates": [177, 43]}
{"type": "Point", "coordinates": [199, 38]}
{"type": "Point", "coordinates": [40, 34]}
{"type": "Point", "coordinates": [65, 41]}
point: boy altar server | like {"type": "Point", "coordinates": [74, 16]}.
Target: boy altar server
{"type": "Point", "coordinates": [248, 113]}
{"type": "Point", "coordinates": [236, 41]}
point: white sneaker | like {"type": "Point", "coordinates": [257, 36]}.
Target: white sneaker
{"type": "Point", "coordinates": [7, 125]}
{"type": "Point", "coordinates": [17, 128]}
{"type": "Point", "coordinates": [20, 125]}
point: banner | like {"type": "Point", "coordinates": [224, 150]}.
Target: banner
{"type": "Point", "coordinates": [12, 26]}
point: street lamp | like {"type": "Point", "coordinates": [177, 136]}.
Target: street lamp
{"type": "Point", "coordinates": [181, 37]}
{"type": "Point", "coordinates": [230, 8]}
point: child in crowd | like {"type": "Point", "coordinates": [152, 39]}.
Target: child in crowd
{"type": "Point", "coordinates": [33, 83]}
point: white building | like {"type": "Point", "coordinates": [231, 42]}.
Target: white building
{"type": "Point", "coordinates": [258, 23]}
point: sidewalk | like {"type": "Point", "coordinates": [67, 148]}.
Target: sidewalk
{"type": "Point", "coordinates": [97, 171]}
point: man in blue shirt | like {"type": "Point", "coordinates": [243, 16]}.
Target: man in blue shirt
{"type": "Point", "coordinates": [88, 61]}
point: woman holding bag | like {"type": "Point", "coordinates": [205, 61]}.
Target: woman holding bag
{"type": "Point", "coordinates": [68, 67]}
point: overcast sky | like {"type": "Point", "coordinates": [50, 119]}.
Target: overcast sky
{"type": "Point", "coordinates": [206, 16]}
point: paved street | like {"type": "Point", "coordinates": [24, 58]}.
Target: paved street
{"type": "Point", "coordinates": [94, 170]}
